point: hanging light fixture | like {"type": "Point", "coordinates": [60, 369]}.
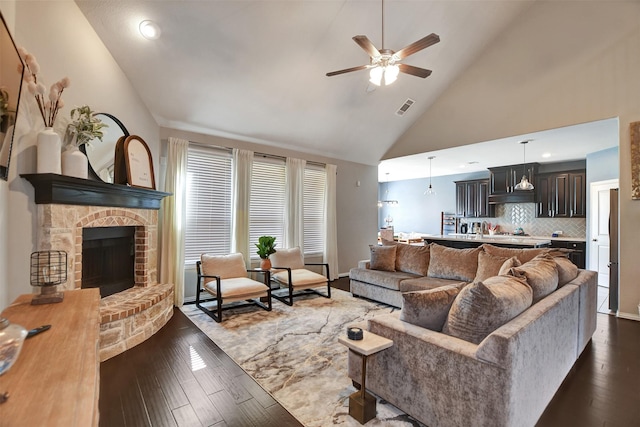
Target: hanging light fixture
{"type": "Point", "coordinates": [430, 191]}
{"type": "Point", "coordinates": [524, 183]}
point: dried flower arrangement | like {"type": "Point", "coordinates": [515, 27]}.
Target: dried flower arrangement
{"type": "Point", "coordinates": [48, 107]}
{"type": "Point", "coordinates": [85, 126]}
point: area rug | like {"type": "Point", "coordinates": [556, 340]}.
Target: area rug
{"type": "Point", "coordinates": [294, 354]}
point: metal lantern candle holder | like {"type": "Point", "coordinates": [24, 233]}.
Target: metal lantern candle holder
{"type": "Point", "coordinates": [48, 269]}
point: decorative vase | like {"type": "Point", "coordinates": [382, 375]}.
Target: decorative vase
{"type": "Point", "coordinates": [265, 264]}
{"type": "Point", "coordinates": [74, 163]}
{"type": "Point", "coordinates": [48, 147]}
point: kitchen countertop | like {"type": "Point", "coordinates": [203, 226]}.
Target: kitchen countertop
{"type": "Point", "coordinates": [505, 239]}
{"type": "Point", "coordinates": [508, 236]}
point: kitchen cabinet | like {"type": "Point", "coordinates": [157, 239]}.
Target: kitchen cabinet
{"type": "Point", "coordinates": [472, 199]}
{"type": "Point", "coordinates": [561, 194]}
{"type": "Point", "coordinates": [577, 256]}
{"type": "Point", "coordinates": [504, 179]}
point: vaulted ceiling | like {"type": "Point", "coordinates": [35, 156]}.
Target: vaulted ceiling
{"type": "Point", "coordinates": [255, 70]}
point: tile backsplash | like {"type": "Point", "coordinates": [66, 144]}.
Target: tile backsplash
{"type": "Point", "coordinates": [509, 216]}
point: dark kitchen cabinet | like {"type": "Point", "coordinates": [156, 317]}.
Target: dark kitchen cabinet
{"type": "Point", "coordinates": [577, 254]}
{"type": "Point", "coordinates": [504, 179]}
{"type": "Point", "coordinates": [472, 199]}
{"type": "Point", "coordinates": [561, 194]}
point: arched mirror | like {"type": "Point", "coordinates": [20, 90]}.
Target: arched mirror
{"type": "Point", "coordinates": [10, 85]}
{"type": "Point", "coordinates": [101, 154]}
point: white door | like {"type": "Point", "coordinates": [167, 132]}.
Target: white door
{"type": "Point", "coordinates": [599, 229]}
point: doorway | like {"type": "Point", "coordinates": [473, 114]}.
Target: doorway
{"type": "Point", "coordinates": [600, 244]}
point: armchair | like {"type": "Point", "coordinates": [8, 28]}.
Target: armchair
{"type": "Point", "coordinates": [288, 270]}
{"type": "Point", "coordinates": [225, 278]}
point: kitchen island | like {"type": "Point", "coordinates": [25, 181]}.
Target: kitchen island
{"type": "Point", "coordinates": [461, 241]}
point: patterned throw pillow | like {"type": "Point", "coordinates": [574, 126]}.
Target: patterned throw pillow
{"type": "Point", "coordinates": [383, 258]}
{"type": "Point", "coordinates": [429, 308]}
{"type": "Point", "coordinates": [451, 263]}
{"type": "Point", "coordinates": [482, 307]}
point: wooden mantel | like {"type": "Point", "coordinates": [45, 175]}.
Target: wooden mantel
{"type": "Point", "coordinates": [67, 190]}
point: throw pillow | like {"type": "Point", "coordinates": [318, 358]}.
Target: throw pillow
{"type": "Point", "coordinates": [488, 266]}
{"type": "Point", "coordinates": [428, 309]}
{"type": "Point", "coordinates": [567, 271]}
{"type": "Point", "coordinates": [225, 266]}
{"type": "Point", "coordinates": [287, 257]}
{"type": "Point", "coordinates": [523, 255]}
{"type": "Point", "coordinates": [508, 264]}
{"type": "Point", "coordinates": [409, 258]}
{"type": "Point", "coordinates": [541, 274]}
{"type": "Point", "coordinates": [383, 258]}
{"type": "Point", "coordinates": [482, 307]}
{"type": "Point", "coordinates": [451, 263]}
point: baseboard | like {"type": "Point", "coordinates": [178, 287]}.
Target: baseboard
{"type": "Point", "coordinates": [628, 316]}
{"type": "Point", "coordinates": [341, 275]}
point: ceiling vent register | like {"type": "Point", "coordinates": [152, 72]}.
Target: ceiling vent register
{"type": "Point", "coordinates": [408, 103]}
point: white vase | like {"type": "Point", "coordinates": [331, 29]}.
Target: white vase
{"type": "Point", "coordinates": [48, 157]}
{"type": "Point", "coordinates": [74, 163]}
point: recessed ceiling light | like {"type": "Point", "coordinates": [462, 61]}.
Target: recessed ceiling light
{"type": "Point", "coordinates": [149, 30]}
{"type": "Point", "coordinates": [546, 155]}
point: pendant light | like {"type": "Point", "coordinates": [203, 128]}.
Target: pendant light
{"type": "Point", "coordinates": [524, 183]}
{"type": "Point", "coordinates": [430, 191]}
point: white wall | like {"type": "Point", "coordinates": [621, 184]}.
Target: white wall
{"type": "Point", "coordinates": [64, 44]}
{"type": "Point", "coordinates": [559, 64]}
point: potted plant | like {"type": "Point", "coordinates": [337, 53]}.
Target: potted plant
{"type": "Point", "coordinates": [266, 246]}
{"type": "Point", "coordinates": [83, 128]}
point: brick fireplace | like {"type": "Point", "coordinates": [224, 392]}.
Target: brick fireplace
{"type": "Point", "coordinates": [65, 207]}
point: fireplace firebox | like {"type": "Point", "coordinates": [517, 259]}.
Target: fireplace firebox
{"type": "Point", "coordinates": [108, 259]}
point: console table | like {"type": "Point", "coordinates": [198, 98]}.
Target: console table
{"type": "Point", "coordinates": [56, 379]}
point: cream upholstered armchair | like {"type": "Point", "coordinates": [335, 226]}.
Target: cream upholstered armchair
{"type": "Point", "coordinates": [225, 278]}
{"type": "Point", "coordinates": [288, 270]}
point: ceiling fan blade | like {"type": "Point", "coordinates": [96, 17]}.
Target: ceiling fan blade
{"type": "Point", "coordinates": [347, 70]}
{"type": "Point", "coordinates": [414, 71]}
{"type": "Point", "coordinates": [414, 47]}
{"type": "Point", "coordinates": [366, 44]}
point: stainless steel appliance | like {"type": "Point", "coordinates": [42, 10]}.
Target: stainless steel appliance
{"type": "Point", "coordinates": [613, 249]}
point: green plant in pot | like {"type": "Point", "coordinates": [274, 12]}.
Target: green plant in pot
{"type": "Point", "coordinates": [83, 128]}
{"type": "Point", "coordinates": [266, 246]}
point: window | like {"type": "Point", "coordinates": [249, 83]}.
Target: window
{"type": "Point", "coordinates": [315, 178]}
{"type": "Point", "coordinates": [208, 203]}
{"type": "Point", "coordinates": [266, 214]}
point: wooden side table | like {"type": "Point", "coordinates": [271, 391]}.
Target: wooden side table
{"type": "Point", "coordinates": [362, 405]}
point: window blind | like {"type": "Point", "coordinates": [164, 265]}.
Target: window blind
{"type": "Point", "coordinates": [266, 213]}
{"type": "Point", "coordinates": [315, 178]}
{"type": "Point", "coordinates": [208, 203]}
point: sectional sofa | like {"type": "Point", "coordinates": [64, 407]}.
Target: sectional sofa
{"type": "Point", "coordinates": [491, 351]}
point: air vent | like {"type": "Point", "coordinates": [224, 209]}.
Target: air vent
{"type": "Point", "coordinates": [408, 103]}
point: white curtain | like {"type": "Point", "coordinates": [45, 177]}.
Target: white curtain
{"type": "Point", "coordinates": [241, 195]}
{"type": "Point", "coordinates": [173, 219]}
{"type": "Point", "coordinates": [330, 223]}
{"type": "Point", "coordinates": [294, 205]}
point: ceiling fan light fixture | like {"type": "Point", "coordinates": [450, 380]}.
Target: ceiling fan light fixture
{"type": "Point", "coordinates": [391, 74]}
{"type": "Point", "coordinates": [375, 75]}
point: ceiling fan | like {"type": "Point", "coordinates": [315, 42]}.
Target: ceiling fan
{"type": "Point", "coordinates": [386, 62]}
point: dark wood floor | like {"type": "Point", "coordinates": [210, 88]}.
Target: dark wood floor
{"type": "Point", "coordinates": [164, 382]}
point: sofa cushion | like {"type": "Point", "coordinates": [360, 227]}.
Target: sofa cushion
{"type": "Point", "coordinates": [225, 266]}
{"type": "Point", "coordinates": [409, 258]}
{"type": "Point", "coordinates": [424, 283]}
{"type": "Point", "coordinates": [428, 309]}
{"type": "Point", "coordinates": [482, 307]}
{"type": "Point", "coordinates": [287, 257]}
{"type": "Point", "coordinates": [567, 271]}
{"type": "Point", "coordinates": [451, 263]}
{"type": "Point", "coordinates": [384, 279]}
{"type": "Point", "coordinates": [383, 257]}
{"type": "Point", "coordinates": [523, 255]}
{"type": "Point", "coordinates": [540, 273]}
{"type": "Point", "coordinates": [489, 265]}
